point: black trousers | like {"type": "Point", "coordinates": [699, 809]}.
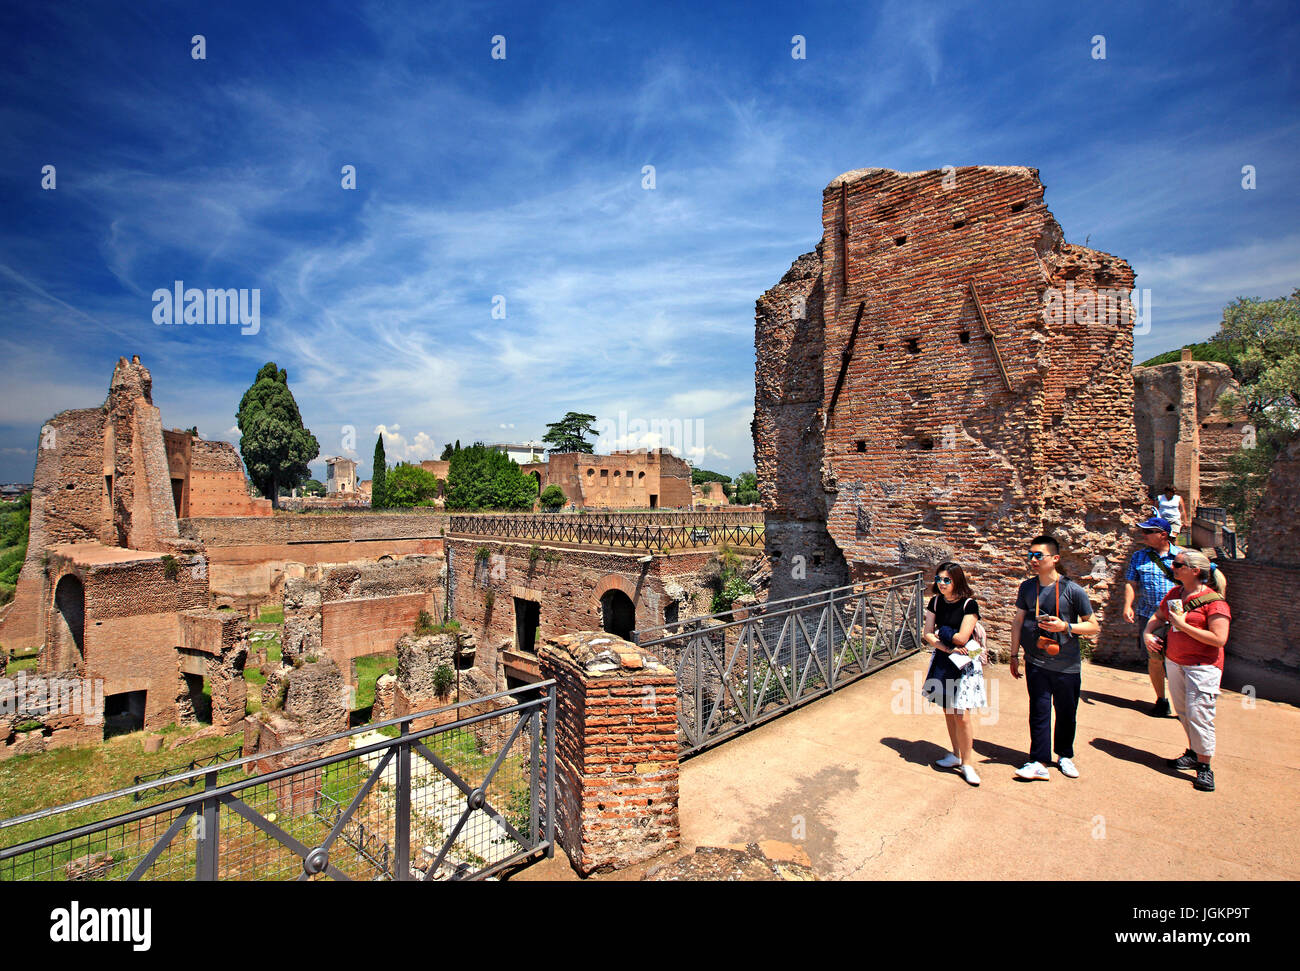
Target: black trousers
{"type": "Point", "coordinates": [1048, 690]}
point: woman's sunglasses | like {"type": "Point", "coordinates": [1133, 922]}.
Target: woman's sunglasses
{"type": "Point", "coordinates": [943, 580]}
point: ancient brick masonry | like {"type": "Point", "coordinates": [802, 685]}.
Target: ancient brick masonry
{"type": "Point", "coordinates": [893, 429]}
{"type": "Point", "coordinates": [1185, 438]}
{"type": "Point", "coordinates": [616, 751]}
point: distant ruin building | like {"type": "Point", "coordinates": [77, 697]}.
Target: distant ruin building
{"type": "Point", "coordinates": [709, 494]}
{"type": "Point", "coordinates": [633, 478]}
{"type": "Point", "coordinates": [944, 378]}
{"type": "Point", "coordinates": [1185, 438]}
{"type": "Point", "coordinates": [340, 476]}
{"type": "Point", "coordinates": [207, 478]}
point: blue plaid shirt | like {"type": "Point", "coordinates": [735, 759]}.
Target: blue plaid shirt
{"type": "Point", "coordinates": [1150, 579]}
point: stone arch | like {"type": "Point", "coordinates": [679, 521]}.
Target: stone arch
{"type": "Point", "coordinates": [538, 476]}
{"type": "Point", "coordinates": [617, 613]}
{"type": "Point", "coordinates": [616, 600]}
{"type": "Point", "coordinates": [68, 633]}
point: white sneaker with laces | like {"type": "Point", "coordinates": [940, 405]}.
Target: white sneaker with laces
{"type": "Point", "coordinates": [970, 775]}
{"type": "Point", "coordinates": [948, 761]}
{"type": "Point", "coordinates": [1033, 770]}
{"type": "Point", "coordinates": [1067, 768]}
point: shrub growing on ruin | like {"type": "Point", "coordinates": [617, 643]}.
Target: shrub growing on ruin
{"type": "Point", "coordinates": [443, 678]}
{"type": "Point", "coordinates": [552, 497]}
{"type": "Point", "coordinates": [171, 566]}
{"type": "Point", "coordinates": [409, 485]}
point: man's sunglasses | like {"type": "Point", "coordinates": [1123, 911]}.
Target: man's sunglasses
{"type": "Point", "coordinates": [1035, 555]}
{"type": "Point", "coordinates": [1150, 531]}
{"type": "Point", "coordinates": [943, 580]}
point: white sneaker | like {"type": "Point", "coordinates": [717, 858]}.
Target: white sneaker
{"type": "Point", "coordinates": [948, 761]}
{"type": "Point", "coordinates": [1067, 768]}
{"type": "Point", "coordinates": [1033, 770]}
{"type": "Point", "coordinates": [970, 775]}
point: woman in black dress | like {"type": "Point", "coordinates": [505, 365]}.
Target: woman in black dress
{"type": "Point", "coordinates": [950, 619]}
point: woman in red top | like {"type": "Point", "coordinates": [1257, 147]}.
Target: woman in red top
{"type": "Point", "coordinates": [1198, 619]}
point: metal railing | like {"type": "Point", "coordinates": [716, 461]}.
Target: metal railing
{"type": "Point", "coordinates": [163, 779]}
{"type": "Point", "coordinates": [582, 531]}
{"type": "Point", "coordinates": [740, 668]}
{"type": "Point", "coordinates": [462, 800]}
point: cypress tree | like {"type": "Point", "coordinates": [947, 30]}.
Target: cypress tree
{"type": "Point", "coordinates": [378, 489]}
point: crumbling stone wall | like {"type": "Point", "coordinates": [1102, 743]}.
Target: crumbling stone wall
{"type": "Point", "coordinates": [300, 703]}
{"type": "Point", "coordinates": [49, 711]}
{"type": "Point", "coordinates": [622, 479]}
{"type": "Point", "coordinates": [346, 611]}
{"type": "Point", "coordinates": [214, 645]}
{"type": "Point", "coordinates": [247, 557]}
{"type": "Point", "coordinates": [101, 476]}
{"type": "Point", "coordinates": [940, 380]}
{"type": "Point", "coordinates": [567, 585]}
{"type": "Point", "coordinates": [1184, 437]}
{"type": "Point", "coordinates": [616, 784]}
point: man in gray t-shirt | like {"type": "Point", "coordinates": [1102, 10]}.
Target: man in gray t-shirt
{"type": "Point", "coordinates": [1052, 612]}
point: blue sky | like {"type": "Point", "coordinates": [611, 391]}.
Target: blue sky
{"type": "Point", "coordinates": [523, 178]}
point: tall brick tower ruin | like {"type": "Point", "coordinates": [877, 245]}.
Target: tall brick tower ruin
{"type": "Point", "coordinates": [944, 378]}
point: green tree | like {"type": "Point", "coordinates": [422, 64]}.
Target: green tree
{"type": "Point", "coordinates": [569, 434]}
{"type": "Point", "coordinates": [410, 485]}
{"type": "Point", "coordinates": [446, 452]}
{"type": "Point", "coordinates": [1263, 337]}
{"type": "Point", "coordinates": [313, 487]}
{"type": "Point", "coordinates": [378, 474]}
{"type": "Point", "coordinates": [552, 497]}
{"type": "Point", "coordinates": [701, 476]}
{"type": "Point", "coordinates": [273, 442]}
{"type": "Point", "coordinates": [746, 491]}
{"type": "Point", "coordinates": [479, 477]}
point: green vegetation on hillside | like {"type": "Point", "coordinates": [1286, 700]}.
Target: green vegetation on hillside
{"type": "Point", "coordinates": [14, 520]}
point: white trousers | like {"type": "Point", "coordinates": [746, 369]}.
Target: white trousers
{"type": "Point", "coordinates": [1194, 689]}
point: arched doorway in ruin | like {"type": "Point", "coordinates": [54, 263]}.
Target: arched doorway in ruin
{"type": "Point", "coordinates": [68, 635]}
{"type": "Point", "coordinates": [617, 614]}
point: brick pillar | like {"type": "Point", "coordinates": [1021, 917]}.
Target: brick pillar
{"type": "Point", "coordinates": [616, 750]}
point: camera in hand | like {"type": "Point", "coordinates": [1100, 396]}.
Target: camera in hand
{"type": "Point", "coordinates": [1047, 644]}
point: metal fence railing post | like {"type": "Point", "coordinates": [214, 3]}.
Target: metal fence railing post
{"type": "Point", "coordinates": [534, 774]}
{"type": "Point", "coordinates": [551, 763]}
{"type": "Point", "coordinates": [402, 828]}
{"type": "Point", "coordinates": [205, 857]}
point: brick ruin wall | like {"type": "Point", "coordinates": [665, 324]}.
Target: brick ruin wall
{"type": "Point", "coordinates": [1184, 437]}
{"type": "Point", "coordinates": [885, 438]}
{"type": "Point", "coordinates": [101, 476]}
{"type": "Point", "coordinates": [620, 480]}
{"type": "Point", "coordinates": [131, 627]}
{"type": "Point", "coordinates": [207, 478]}
{"type": "Point", "coordinates": [568, 592]}
{"type": "Point", "coordinates": [247, 556]}
{"type": "Point", "coordinates": [351, 610]}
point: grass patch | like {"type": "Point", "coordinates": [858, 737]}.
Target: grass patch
{"type": "Point", "coordinates": [369, 670]}
{"type": "Point", "coordinates": [44, 779]}
{"type": "Point", "coordinates": [271, 614]}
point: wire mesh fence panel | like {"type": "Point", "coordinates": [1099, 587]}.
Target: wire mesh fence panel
{"type": "Point", "coordinates": [739, 668]}
{"type": "Point", "coordinates": [394, 801]}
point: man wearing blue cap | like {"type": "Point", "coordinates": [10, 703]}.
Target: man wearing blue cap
{"type": "Point", "coordinates": [1150, 575]}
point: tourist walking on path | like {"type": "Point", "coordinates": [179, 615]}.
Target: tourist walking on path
{"type": "Point", "coordinates": [1052, 612]}
{"type": "Point", "coordinates": [956, 678]}
{"type": "Point", "coordinates": [1198, 619]}
{"type": "Point", "coordinates": [1150, 575]}
{"type": "Point", "coordinates": [1169, 506]}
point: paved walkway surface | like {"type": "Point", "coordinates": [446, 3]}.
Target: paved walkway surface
{"type": "Point", "coordinates": [855, 770]}
{"type": "Point", "coordinates": [850, 779]}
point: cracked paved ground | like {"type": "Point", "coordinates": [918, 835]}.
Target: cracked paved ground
{"type": "Point", "coordinates": [849, 778]}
